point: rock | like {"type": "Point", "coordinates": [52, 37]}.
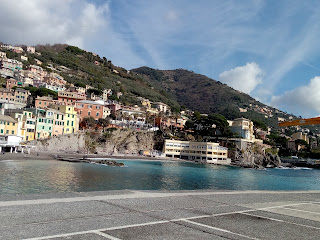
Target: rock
{"type": "Point", "coordinates": [255, 156]}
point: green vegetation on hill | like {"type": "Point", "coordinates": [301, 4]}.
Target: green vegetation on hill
{"type": "Point", "coordinates": [86, 68]}
{"type": "Point", "coordinates": [178, 88]}
{"type": "Point", "coordinates": [200, 93]}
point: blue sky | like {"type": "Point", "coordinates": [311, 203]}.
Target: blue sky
{"type": "Point", "coordinates": [268, 49]}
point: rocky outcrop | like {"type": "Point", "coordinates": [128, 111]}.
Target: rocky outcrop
{"type": "Point", "coordinates": [126, 141]}
{"type": "Point", "coordinates": [256, 156]}
{"type": "Point", "coordinates": [118, 142]}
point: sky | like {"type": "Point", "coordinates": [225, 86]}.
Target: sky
{"type": "Point", "coordinates": [268, 49]}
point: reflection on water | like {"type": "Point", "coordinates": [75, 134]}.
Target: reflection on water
{"type": "Point", "coordinates": [17, 177]}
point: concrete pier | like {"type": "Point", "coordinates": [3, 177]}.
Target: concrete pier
{"type": "Point", "coordinates": [162, 215]}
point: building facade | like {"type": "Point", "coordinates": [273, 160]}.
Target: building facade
{"type": "Point", "coordinates": [208, 152]}
{"type": "Point", "coordinates": [86, 108]}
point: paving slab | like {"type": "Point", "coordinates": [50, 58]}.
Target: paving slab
{"type": "Point", "coordinates": [91, 236]}
{"type": "Point", "coordinates": [287, 218]}
{"type": "Point", "coordinates": [51, 228]}
{"type": "Point", "coordinates": [162, 203]}
{"type": "Point", "coordinates": [17, 215]}
{"type": "Point", "coordinates": [296, 213]}
{"type": "Point", "coordinates": [194, 212]}
{"type": "Point", "coordinates": [255, 198]}
{"type": "Point", "coordinates": [315, 208]}
{"type": "Point", "coordinates": [161, 231]}
{"type": "Point", "coordinates": [162, 215]}
{"type": "Point", "coordinates": [259, 227]}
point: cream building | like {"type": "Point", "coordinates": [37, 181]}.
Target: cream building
{"type": "Point", "coordinates": [197, 151]}
{"type": "Point", "coordinates": [300, 135]}
{"type": "Point", "coordinates": [243, 127]}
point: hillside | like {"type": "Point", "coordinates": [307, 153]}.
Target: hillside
{"type": "Point", "coordinates": [200, 93]}
{"type": "Point", "coordinates": [81, 67]}
{"type": "Point", "coordinates": [176, 88]}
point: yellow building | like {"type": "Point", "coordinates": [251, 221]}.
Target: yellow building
{"type": "Point", "coordinates": [29, 125]}
{"type": "Point", "coordinates": [197, 151]}
{"type": "Point", "coordinates": [71, 118]}
{"type": "Point", "coordinates": [8, 126]}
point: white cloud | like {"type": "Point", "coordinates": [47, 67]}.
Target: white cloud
{"type": "Point", "coordinates": [45, 21]}
{"type": "Point", "coordinates": [304, 100]}
{"type": "Point", "coordinates": [244, 78]}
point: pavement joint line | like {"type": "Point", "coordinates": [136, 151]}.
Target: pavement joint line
{"type": "Point", "coordinates": [99, 230]}
{"type": "Point", "coordinates": [106, 235]}
{"type": "Point", "coordinates": [272, 219]}
{"type": "Point", "coordinates": [299, 210]}
{"type": "Point", "coordinates": [138, 194]}
{"type": "Point", "coordinates": [279, 220]}
{"type": "Point", "coordinates": [219, 229]}
{"type": "Point", "coordinates": [174, 220]}
{"type": "Point", "coordinates": [212, 215]}
{"type": "Point", "coordinates": [67, 219]}
{"type": "Point", "coordinates": [286, 205]}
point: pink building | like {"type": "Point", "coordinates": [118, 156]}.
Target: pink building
{"type": "Point", "coordinates": [58, 122]}
{"type": "Point", "coordinates": [11, 83]}
{"type": "Point", "coordinates": [114, 107]}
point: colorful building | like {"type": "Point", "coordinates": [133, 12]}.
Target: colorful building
{"type": "Point", "coordinates": [86, 108]}
{"type": "Point", "coordinates": [70, 98]}
{"type": "Point", "coordinates": [71, 118]}
{"type": "Point", "coordinates": [11, 83]}
{"type": "Point", "coordinates": [44, 102]}
{"type": "Point", "coordinates": [8, 126]}
{"type": "Point", "coordinates": [58, 122]}
{"type": "Point", "coordinates": [44, 123]}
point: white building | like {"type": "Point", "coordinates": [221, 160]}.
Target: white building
{"type": "Point", "coordinates": [208, 152]}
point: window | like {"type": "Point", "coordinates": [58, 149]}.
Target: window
{"type": "Point", "coordinates": [8, 123]}
{"type": "Point", "coordinates": [71, 123]}
{"type": "Point", "coordinates": [7, 132]}
{"type": "Point", "coordinates": [89, 113]}
{"type": "Point", "coordinates": [13, 124]}
{"type": "Point", "coordinates": [39, 103]}
{"type": "Point", "coordinates": [68, 123]}
{"type": "Point", "coordinates": [12, 132]}
{"type": "Point", "coordinates": [1, 130]}
{"type": "Point", "coordinates": [97, 114]}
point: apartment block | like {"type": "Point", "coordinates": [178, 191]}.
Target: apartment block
{"type": "Point", "coordinates": [86, 108]}
{"type": "Point", "coordinates": [208, 152]}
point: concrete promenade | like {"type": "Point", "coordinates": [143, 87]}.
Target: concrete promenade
{"type": "Point", "coordinates": [162, 215]}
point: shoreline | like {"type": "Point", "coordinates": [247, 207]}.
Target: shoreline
{"type": "Point", "coordinates": [53, 155]}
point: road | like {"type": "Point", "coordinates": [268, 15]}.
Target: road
{"type": "Point", "coordinates": [162, 215]}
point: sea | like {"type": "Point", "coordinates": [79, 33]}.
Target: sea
{"type": "Point", "coordinates": [51, 176]}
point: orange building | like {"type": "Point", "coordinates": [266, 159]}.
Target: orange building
{"type": "Point", "coordinates": [43, 102]}
{"type": "Point", "coordinates": [11, 83]}
{"type": "Point", "coordinates": [87, 108]}
{"type": "Point", "coordinates": [166, 123]}
{"type": "Point", "coordinates": [70, 98]}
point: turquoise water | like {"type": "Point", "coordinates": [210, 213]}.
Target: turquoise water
{"type": "Point", "coordinates": [19, 177]}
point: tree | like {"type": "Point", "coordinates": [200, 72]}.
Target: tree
{"type": "Point", "coordinates": [103, 122]}
{"type": "Point", "coordinates": [87, 122]}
